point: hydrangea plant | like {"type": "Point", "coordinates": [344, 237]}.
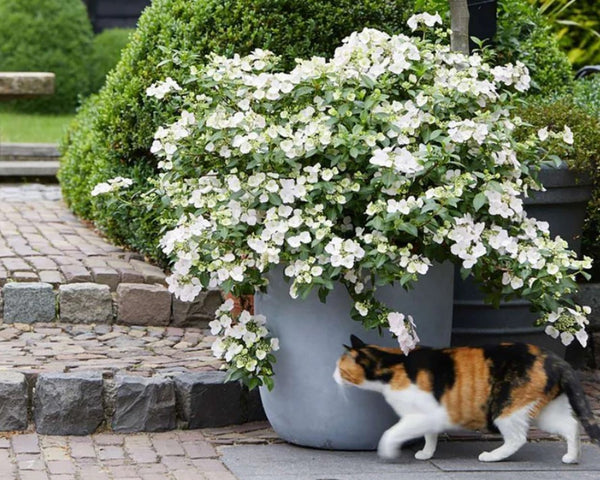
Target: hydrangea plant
{"type": "Point", "coordinates": [363, 169]}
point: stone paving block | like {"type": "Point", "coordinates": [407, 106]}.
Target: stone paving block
{"type": "Point", "coordinates": [130, 275]}
{"type": "Point", "coordinates": [13, 401]}
{"type": "Point", "coordinates": [28, 302]}
{"type": "Point", "coordinates": [106, 276]}
{"type": "Point", "coordinates": [68, 403]}
{"type": "Point", "coordinates": [54, 277]}
{"type": "Point", "coordinates": [152, 274]}
{"type": "Point", "coordinates": [204, 400]}
{"type": "Point", "coordinates": [76, 273]}
{"type": "Point", "coordinates": [197, 313]}
{"type": "Point", "coordinates": [85, 303]}
{"type": "Point", "coordinates": [141, 304]}
{"type": "Point", "coordinates": [25, 277]}
{"type": "Point", "coordinates": [16, 264]}
{"type": "Point", "coordinates": [144, 404]}
{"type": "Point", "coordinates": [41, 262]}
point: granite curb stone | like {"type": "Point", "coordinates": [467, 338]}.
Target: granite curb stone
{"type": "Point", "coordinates": [144, 404]}
{"type": "Point", "coordinates": [68, 403]}
{"type": "Point", "coordinates": [141, 304]}
{"type": "Point", "coordinates": [204, 400]}
{"type": "Point", "coordinates": [28, 302]}
{"type": "Point", "coordinates": [85, 303]}
{"type": "Point", "coordinates": [13, 401]}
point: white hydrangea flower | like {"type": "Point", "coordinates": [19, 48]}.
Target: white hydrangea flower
{"type": "Point", "coordinates": [423, 18]}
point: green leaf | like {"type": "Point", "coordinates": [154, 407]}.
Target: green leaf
{"type": "Point", "coordinates": [479, 200]}
{"type": "Point", "coordinates": [409, 228]}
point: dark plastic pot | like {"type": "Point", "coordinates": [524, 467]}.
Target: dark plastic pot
{"type": "Point", "coordinates": [475, 322]}
{"type": "Point", "coordinates": [482, 20]}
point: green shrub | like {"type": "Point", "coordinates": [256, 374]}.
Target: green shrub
{"type": "Point", "coordinates": [524, 34]}
{"type": "Point", "coordinates": [107, 51]}
{"type": "Point", "coordinates": [583, 158]}
{"type": "Point", "coordinates": [587, 94]}
{"type": "Point", "coordinates": [47, 36]}
{"type": "Point", "coordinates": [125, 119]}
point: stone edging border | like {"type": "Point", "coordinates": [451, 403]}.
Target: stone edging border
{"type": "Point", "coordinates": [131, 304]}
{"type": "Point", "coordinates": [81, 403]}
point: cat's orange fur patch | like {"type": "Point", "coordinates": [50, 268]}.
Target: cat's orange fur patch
{"type": "Point", "coordinates": [466, 402]}
{"type": "Point", "coordinates": [531, 392]}
{"type": "Point", "coordinates": [400, 380]}
{"type": "Point", "coordinates": [350, 370]}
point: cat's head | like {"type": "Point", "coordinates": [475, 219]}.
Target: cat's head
{"type": "Point", "coordinates": [350, 368]}
{"type": "Point", "coordinates": [368, 366]}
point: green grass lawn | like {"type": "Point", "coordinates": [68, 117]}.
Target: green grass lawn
{"type": "Point", "coordinates": [32, 128]}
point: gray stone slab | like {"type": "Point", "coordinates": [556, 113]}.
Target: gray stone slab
{"type": "Point", "coordinates": [13, 401]}
{"type": "Point", "coordinates": [85, 303]}
{"type": "Point", "coordinates": [141, 304]}
{"type": "Point", "coordinates": [521, 475]}
{"type": "Point", "coordinates": [288, 462]}
{"type": "Point", "coordinates": [270, 462]}
{"type": "Point", "coordinates": [540, 456]}
{"type": "Point", "coordinates": [144, 404]}
{"type": "Point", "coordinates": [28, 302]}
{"type": "Point", "coordinates": [68, 403]}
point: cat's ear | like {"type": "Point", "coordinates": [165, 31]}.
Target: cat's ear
{"type": "Point", "coordinates": [356, 342]}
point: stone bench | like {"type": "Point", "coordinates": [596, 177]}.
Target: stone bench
{"type": "Point", "coordinates": [25, 84]}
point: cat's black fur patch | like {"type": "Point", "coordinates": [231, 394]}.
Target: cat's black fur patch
{"type": "Point", "coordinates": [429, 360]}
{"type": "Point", "coordinates": [509, 367]}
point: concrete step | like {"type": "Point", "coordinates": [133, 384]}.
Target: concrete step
{"type": "Point", "coordinates": [28, 151]}
{"type": "Point", "coordinates": [78, 379]}
{"type": "Point", "coordinates": [37, 160]}
{"type": "Point", "coordinates": [29, 168]}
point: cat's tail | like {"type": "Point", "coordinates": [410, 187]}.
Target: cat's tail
{"type": "Point", "coordinates": [572, 387]}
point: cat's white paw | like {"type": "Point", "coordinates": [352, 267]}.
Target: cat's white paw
{"type": "Point", "coordinates": [387, 451]}
{"type": "Point", "coordinates": [487, 457]}
{"type": "Point", "coordinates": [423, 455]}
{"type": "Point", "coordinates": [567, 458]}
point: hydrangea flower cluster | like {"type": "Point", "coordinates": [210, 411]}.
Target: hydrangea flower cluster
{"type": "Point", "coordinates": [392, 155]}
{"type": "Point", "coordinates": [243, 341]}
{"type": "Point", "coordinates": [112, 185]}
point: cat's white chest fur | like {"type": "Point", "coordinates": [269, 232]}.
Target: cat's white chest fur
{"type": "Point", "coordinates": [414, 401]}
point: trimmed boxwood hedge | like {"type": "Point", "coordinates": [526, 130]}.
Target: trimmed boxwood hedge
{"type": "Point", "coordinates": [107, 51]}
{"type": "Point", "coordinates": [47, 36]}
{"type": "Point", "coordinates": [113, 132]}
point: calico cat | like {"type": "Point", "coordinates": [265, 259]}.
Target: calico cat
{"type": "Point", "coordinates": [500, 387]}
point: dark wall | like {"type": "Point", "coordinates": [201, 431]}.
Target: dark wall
{"type": "Point", "coordinates": [114, 13]}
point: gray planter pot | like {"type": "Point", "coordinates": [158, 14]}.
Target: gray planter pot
{"type": "Point", "coordinates": [307, 407]}
{"type": "Point", "coordinates": [563, 206]}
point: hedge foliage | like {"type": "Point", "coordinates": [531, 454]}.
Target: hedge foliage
{"type": "Point", "coordinates": [112, 134]}
{"type": "Point", "coordinates": [107, 52]}
{"type": "Point", "coordinates": [47, 36]}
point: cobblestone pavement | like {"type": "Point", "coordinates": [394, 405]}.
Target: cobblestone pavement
{"type": "Point", "coordinates": [41, 240]}
{"type": "Point", "coordinates": [178, 455]}
{"type": "Point", "coordinates": [52, 347]}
